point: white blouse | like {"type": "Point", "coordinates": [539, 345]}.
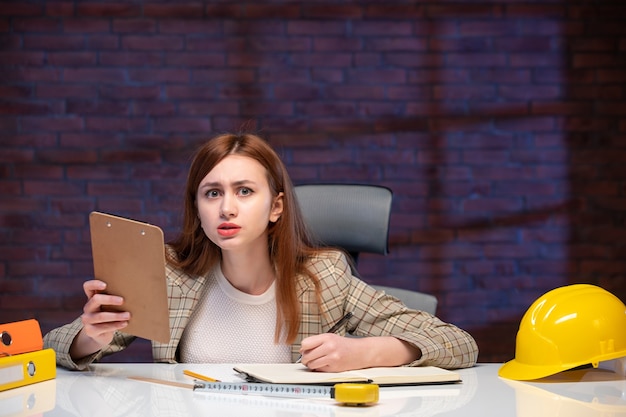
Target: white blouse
{"type": "Point", "coordinates": [230, 326]}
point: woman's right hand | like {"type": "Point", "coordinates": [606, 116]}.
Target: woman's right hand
{"type": "Point", "coordinates": [99, 326]}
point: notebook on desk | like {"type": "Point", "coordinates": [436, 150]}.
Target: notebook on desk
{"type": "Point", "coordinates": [295, 373]}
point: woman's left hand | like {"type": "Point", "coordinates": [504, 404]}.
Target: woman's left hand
{"type": "Point", "coordinates": [329, 352]}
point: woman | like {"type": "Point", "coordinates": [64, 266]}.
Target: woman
{"type": "Point", "coordinates": [246, 284]}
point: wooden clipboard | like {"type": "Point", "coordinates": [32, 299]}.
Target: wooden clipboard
{"type": "Point", "coordinates": [130, 257]}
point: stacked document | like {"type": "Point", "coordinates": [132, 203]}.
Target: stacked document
{"type": "Point", "coordinates": [23, 361]}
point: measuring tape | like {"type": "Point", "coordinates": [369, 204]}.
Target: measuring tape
{"type": "Point", "coordinates": [346, 393]}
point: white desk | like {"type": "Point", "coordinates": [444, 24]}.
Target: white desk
{"type": "Point", "coordinates": [105, 390]}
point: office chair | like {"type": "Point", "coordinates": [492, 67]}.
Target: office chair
{"type": "Point", "coordinates": [355, 217]}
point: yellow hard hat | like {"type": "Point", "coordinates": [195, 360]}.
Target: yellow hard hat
{"type": "Point", "coordinates": [567, 327]}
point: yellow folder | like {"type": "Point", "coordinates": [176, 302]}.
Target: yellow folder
{"type": "Point", "coordinates": [27, 368]}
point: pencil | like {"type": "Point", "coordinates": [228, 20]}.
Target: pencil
{"type": "Point", "coordinates": [162, 381]}
{"type": "Point", "coordinates": [340, 323]}
{"type": "Point", "coordinates": [199, 376]}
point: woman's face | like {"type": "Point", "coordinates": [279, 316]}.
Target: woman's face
{"type": "Point", "coordinates": [235, 203]}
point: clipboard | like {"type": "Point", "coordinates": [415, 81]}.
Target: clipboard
{"type": "Point", "coordinates": [130, 257]}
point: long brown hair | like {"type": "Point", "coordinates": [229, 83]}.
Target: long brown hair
{"type": "Point", "coordinates": [289, 242]}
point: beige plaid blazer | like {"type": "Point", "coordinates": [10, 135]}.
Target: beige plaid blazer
{"type": "Point", "coordinates": [375, 314]}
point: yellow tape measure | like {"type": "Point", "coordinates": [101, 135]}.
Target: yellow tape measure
{"type": "Point", "coordinates": [355, 394]}
{"type": "Point", "coordinates": [345, 393]}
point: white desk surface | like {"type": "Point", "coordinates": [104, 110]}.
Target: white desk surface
{"type": "Point", "coordinates": [105, 390]}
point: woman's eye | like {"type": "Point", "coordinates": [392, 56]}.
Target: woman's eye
{"type": "Point", "coordinates": [245, 191]}
{"type": "Point", "coordinates": [212, 193]}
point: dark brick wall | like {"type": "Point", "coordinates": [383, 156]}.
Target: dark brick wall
{"type": "Point", "coordinates": [500, 126]}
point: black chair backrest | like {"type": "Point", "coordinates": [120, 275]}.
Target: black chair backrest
{"type": "Point", "coordinates": [354, 217]}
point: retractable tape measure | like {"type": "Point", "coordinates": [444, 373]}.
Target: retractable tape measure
{"type": "Point", "coordinates": [345, 393]}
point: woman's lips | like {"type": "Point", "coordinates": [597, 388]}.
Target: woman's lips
{"type": "Point", "coordinates": [228, 229]}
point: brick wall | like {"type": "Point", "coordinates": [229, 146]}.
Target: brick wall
{"type": "Point", "coordinates": [500, 126]}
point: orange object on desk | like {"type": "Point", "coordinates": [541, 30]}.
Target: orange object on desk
{"type": "Point", "coordinates": [20, 337]}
